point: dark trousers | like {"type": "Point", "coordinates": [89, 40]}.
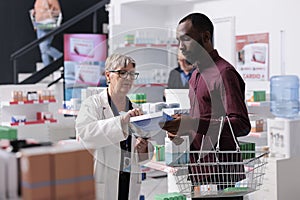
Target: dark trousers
{"type": "Point", "coordinates": [124, 182]}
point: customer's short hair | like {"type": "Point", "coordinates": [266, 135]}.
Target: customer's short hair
{"type": "Point", "coordinates": [200, 21]}
{"type": "Point", "coordinates": [116, 60]}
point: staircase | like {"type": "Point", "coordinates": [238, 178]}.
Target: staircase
{"type": "Point", "coordinates": [40, 75]}
{"type": "Point", "coordinates": [47, 80]}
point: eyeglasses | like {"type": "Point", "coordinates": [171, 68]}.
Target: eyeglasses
{"type": "Point", "coordinates": [124, 74]}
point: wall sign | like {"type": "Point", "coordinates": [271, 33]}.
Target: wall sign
{"type": "Point", "coordinates": [252, 54]}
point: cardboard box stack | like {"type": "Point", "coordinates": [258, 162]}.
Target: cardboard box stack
{"type": "Point", "coordinates": [58, 172]}
{"type": "Point", "coordinates": [36, 173]}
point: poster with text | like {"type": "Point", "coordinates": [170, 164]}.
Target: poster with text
{"type": "Point", "coordinates": [252, 54]}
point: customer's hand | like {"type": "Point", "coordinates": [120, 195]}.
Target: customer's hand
{"type": "Point", "coordinates": [180, 125]}
{"type": "Point", "coordinates": [173, 125]}
{"type": "Point", "coordinates": [141, 145]}
{"type": "Point", "coordinates": [175, 138]}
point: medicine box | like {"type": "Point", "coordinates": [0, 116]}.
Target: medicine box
{"type": "Point", "coordinates": [257, 125]}
{"type": "Point", "coordinates": [176, 153]}
{"type": "Point", "coordinates": [8, 133]}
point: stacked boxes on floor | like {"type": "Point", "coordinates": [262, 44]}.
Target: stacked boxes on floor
{"type": "Point", "coordinates": [57, 173]}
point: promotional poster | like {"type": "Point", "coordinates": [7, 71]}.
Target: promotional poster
{"type": "Point", "coordinates": [252, 53]}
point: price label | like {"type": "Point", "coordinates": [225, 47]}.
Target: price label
{"type": "Point", "coordinates": [21, 102]}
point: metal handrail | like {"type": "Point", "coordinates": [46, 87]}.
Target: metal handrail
{"type": "Point", "coordinates": [64, 26]}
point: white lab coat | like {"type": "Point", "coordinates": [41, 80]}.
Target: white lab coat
{"type": "Point", "coordinates": [97, 128]}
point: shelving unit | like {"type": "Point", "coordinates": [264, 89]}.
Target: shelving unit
{"type": "Point", "coordinates": [31, 128]}
{"type": "Point", "coordinates": [154, 61]}
{"type": "Point", "coordinates": [44, 121]}
{"type": "Point", "coordinates": [68, 112]}
{"type": "Point", "coordinates": [259, 104]}
{"type": "Point", "coordinates": [27, 108]}
{"type": "Point", "coordinates": [153, 40]}
{"type": "Point", "coordinates": [259, 138]}
{"type": "Point", "coordinates": [9, 103]}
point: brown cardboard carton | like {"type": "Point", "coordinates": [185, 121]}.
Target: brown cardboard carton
{"type": "Point", "coordinates": [36, 174]}
{"type": "Point", "coordinates": [64, 173]}
{"type": "Point", "coordinates": [86, 183]}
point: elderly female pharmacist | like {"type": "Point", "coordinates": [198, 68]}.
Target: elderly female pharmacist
{"type": "Point", "coordinates": [103, 124]}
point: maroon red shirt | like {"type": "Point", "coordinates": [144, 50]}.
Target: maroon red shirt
{"type": "Point", "coordinates": [217, 89]}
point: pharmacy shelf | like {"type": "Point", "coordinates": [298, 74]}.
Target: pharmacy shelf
{"type": "Point", "coordinates": [150, 45]}
{"type": "Point", "coordinates": [259, 138]}
{"type": "Point", "coordinates": [11, 103]}
{"type": "Point", "coordinates": [68, 112]}
{"type": "Point", "coordinates": [258, 104]}
{"type": "Point", "coordinates": [151, 85]}
{"type": "Point", "coordinates": [258, 134]}
{"type": "Point", "coordinates": [43, 121]}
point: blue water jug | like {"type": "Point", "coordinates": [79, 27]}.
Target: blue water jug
{"type": "Point", "coordinates": [284, 96]}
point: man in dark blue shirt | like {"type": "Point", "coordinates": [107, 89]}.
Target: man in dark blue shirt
{"type": "Point", "coordinates": [180, 76]}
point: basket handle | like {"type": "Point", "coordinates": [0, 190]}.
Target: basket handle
{"type": "Point", "coordinates": [231, 130]}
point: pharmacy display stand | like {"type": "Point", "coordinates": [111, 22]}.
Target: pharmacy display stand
{"type": "Point", "coordinates": [32, 127]}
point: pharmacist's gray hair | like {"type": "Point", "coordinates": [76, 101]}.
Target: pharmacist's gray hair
{"type": "Point", "coordinates": [116, 60]}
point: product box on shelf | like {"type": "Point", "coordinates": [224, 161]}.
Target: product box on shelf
{"type": "Point", "coordinates": [257, 125]}
{"type": "Point", "coordinates": [177, 152]}
{"type": "Point", "coordinates": [8, 133]}
{"type": "Point", "coordinates": [247, 149]}
{"type": "Point", "coordinates": [159, 152]}
{"type": "Point", "coordinates": [169, 196]}
{"type": "Point", "coordinates": [44, 115]}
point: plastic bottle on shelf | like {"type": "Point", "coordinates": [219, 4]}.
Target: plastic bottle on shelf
{"type": "Point", "coordinates": [284, 96]}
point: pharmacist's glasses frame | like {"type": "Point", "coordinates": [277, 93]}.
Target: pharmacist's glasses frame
{"type": "Point", "coordinates": [124, 74]}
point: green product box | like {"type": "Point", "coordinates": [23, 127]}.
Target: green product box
{"type": "Point", "coordinates": [259, 95]}
{"type": "Point", "coordinates": [129, 39]}
{"type": "Point", "coordinates": [8, 133]}
{"type": "Point", "coordinates": [247, 146]}
{"type": "Point", "coordinates": [170, 196]}
{"type": "Point", "coordinates": [159, 152]}
{"type": "Point", "coordinates": [137, 98]}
